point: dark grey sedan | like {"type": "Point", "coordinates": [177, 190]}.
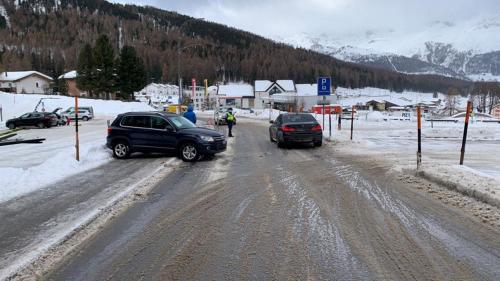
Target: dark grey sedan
{"type": "Point", "coordinates": [292, 128]}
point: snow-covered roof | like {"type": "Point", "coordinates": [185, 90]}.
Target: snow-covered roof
{"type": "Point", "coordinates": [236, 90]}
{"type": "Point", "coordinates": [12, 76]}
{"type": "Point", "coordinates": [69, 75]}
{"type": "Point", "coordinates": [307, 89]}
{"type": "Point", "coordinates": [262, 85]}
{"type": "Point", "coordinates": [287, 85]}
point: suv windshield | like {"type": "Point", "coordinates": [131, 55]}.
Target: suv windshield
{"type": "Point", "coordinates": [297, 118]}
{"type": "Point", "coordinates": [181, 122]}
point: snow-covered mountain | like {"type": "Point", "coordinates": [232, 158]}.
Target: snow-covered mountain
{"type": "Point", "coordinates": [468, 49]}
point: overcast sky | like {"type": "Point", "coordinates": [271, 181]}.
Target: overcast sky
{"type": "Point", "coordinates": [287, 17]}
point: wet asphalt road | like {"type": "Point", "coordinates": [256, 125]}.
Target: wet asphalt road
{"type": "Point", "coordinates": [33, 222]}
{"type": "Point", "coordinates": [262, 213]}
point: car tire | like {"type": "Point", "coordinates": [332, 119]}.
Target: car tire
{"type": "Point", "coordinates": [40, 125]}
{"type": "Point", "coordinates": [280, 144]}
{"type": "Point", "coordinates": [189, 152]}
{"type": "Point", "coordinates": [12, 126]}
{"type": "Point", "coordinates": [121, 150]}
{"type": "Point", "coordinates": [85, 118]}
{"type": "Point", "coordinates": [318, 143]}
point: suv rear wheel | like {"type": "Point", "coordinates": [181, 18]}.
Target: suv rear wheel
{"type": "Point", "coordinates": [40, 125]}
{"type": "Point", "coordinates": [121, 150]}
{"type": "Point", "coordinates": [189, 152]}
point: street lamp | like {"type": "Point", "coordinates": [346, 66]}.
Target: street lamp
{"type": "Point", "coordinates": [179, 52]}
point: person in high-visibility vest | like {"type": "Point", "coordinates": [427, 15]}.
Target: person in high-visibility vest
{"type": "Point", "coordinates": [230, 119]}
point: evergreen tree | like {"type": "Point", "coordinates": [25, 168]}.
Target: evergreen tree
{"type": "Point", "coordinates": [60, 86]}
{"type": "Point", "coordinates": [85, 66]}
{"type": "Point", "coordinates": [131, 73]}
{"type": "Point", "coordinates": [104, 66]}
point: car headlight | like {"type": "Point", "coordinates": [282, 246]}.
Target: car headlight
{"type": "Point", "coordinates": [207, 138]}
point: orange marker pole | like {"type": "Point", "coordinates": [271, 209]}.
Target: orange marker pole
{"type": "Point", "coordinates": [466, 127]}
{"type": "Point", "coordinates": [352, 120]}
{"type": "Point", "coordinates": [419, 132]}
{"type": "Point", "coordinates": [77, 144]}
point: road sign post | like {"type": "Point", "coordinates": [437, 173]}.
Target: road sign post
{"type": "Point", "coordinates": [324, 89]}
{"type": "Point", "coordinates": [324, 99]}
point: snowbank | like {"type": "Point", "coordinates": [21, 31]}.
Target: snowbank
{"type": "Point", "coordinates": [18, 181]}
{"type": "Point", "coordinates": [465, 180]}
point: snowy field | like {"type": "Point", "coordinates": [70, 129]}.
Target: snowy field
{"type": "Point", "coordinates": [28, 167]}
{"type": "Point", "coordinates": [395, 143]}
{"type": "Point", "coordinates": [16, 105]}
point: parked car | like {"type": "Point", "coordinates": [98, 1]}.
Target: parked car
{"type": "Point", "coordinates": [83, 114]}
{"type": "Point", "coordinates": [88, 108]}
{"type": "Point", "coordinates": [62, 120]}
{"type": "Point", "coordinates": [162, 132]}
{"type": "Point", "coordinates": [37, 119]}
{"type": "Point", "coordinates": [220, 117]}
{"type": "Point", "coordinates": [295, 128]}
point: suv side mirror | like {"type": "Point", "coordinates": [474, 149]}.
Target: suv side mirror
{"type": "Point", "coordinates": [169, 128]}
{"type": "Point", "coordinates": [271, 121]}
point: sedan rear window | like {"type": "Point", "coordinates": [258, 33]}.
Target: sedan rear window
{"type": "Point", "coordinates": [298, 118]}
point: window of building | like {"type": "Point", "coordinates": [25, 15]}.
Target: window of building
{"type": "Point", "coordinates": [37, 84]}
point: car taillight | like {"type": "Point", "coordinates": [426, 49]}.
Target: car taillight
{"type": "Point", "coordinates": [287, 129]}
{"type": "Point", "coordinates": [316, 128]}
{"type": "Point", "coordinates": [109, 130]}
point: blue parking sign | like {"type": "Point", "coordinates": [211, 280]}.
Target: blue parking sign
{"type": "Point", "coordinates": [324, 86]}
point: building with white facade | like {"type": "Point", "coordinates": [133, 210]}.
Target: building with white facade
{"type": "Point", "coordinates": [198, 97]}
{"type": "Point", "coordinates": [158, 94]}
{"type": "Point", "coordinates": [286, 95]}
{"type": "Point", "coordinates": [25, 82]}
{"type": "Point", "coordinates": [236, 95]}
{"type": "Point", "coordinates": [265, 90]}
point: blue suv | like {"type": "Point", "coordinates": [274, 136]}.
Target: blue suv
{"type": "Point", "coordinates": [162, 132]}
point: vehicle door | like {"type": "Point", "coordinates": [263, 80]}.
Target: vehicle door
{"type": "Point", "coordinates": [163, 133]}
{"type": "Point", "coordinates": [23, 119]}
{"type": "Point", "coordinates": [34, 119]}
{"type": "Point", "coordinates": [275, 126]}
{"type": "Point", "coordinates": [139, 131]}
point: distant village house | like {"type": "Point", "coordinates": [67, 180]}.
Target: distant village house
{"type": "Point", "coordinates": [25, 82]}
{"type": "Point", "coordinates": [70, 78]}
{"type": "Point", "coordinates": [495, 111]}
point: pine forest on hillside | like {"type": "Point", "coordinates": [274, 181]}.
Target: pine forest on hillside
{"type": "Point", "coordinates": [49, 35]}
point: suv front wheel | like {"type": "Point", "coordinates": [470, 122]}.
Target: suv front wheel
{"type": "Point", "coordinates": [121, 150]}
{"type": "Point", "coordinates": [189, 152]}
